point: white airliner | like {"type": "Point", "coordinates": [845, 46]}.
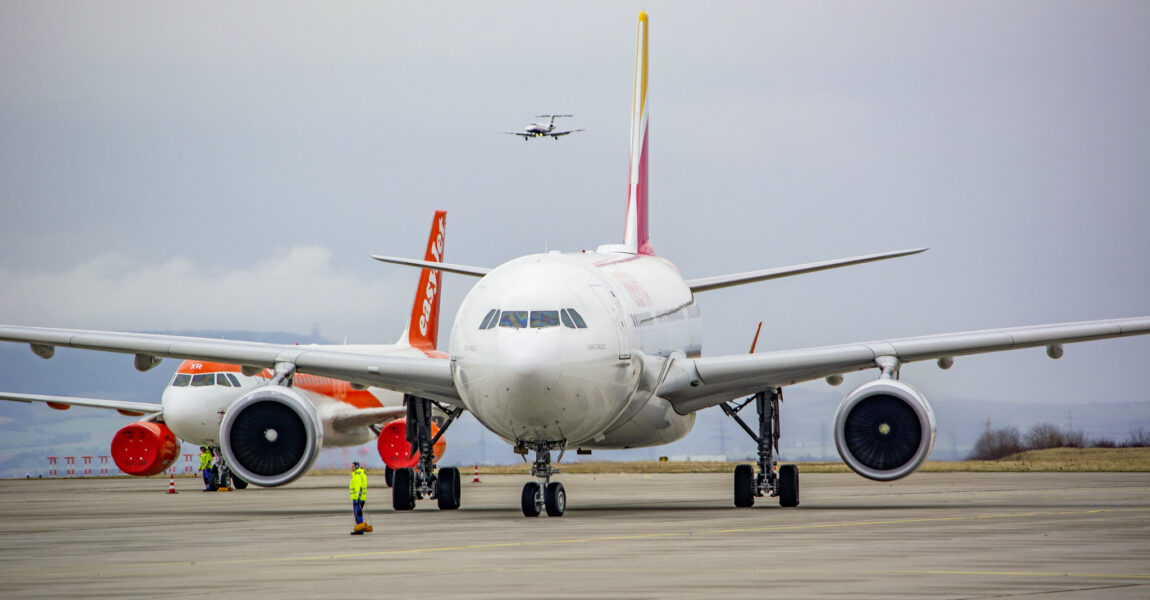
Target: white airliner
{"type": "Point", "coordinates": [597, 350]}
{"type": "Point", "coordinates": [203, 393]}
{"type": "Point", "coordinates": [547, 129]}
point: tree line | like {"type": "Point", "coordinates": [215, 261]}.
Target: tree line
{"type": "Point", "coordinates": [994, 444]}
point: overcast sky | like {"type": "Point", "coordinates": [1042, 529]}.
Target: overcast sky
{"type": "Point", "coordinates": [208, 166]}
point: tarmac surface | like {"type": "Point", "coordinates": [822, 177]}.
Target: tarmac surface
{"type": "Point", "coordinates": [945, 535]}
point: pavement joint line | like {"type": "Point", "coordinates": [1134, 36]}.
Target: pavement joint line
{"type": "Point", "coordinates": [644, 536]}
{"type": "Point", "coordinates": [1144, 576]}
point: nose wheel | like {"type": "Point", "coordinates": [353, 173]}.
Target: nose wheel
{"type": "Point", "coordinates": [543, 494]}
{"type": "Point", "coordinates": [532, 499]}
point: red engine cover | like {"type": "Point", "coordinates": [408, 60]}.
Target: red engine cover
{"type": "Point", "coordinates": [395, 450]}
{"type": "Point", "coordinates": [145, 448]}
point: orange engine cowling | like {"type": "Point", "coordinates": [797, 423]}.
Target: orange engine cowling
{"type": "Point", "coordinates": [395, 450]}
{"type": "Point", "coordinates": [144, 448]}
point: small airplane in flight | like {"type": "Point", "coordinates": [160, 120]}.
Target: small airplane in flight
{"type": "Point", "coordinates": [592, 350]}
{"type": "Point", "coordinates": [536, 130]}
{"type": "Point", "coordinates": [202, 394]}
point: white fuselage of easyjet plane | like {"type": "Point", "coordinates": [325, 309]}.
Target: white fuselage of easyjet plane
{"type": "Point", "coordinates": [584, 378]}
{"type": "Point", "coordinates": [201, 392]}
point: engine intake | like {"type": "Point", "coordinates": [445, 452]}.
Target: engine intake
{"type": "Point", "coordinates": [271, 436]}
{"type": "Point", "coordinates": [884, 429]}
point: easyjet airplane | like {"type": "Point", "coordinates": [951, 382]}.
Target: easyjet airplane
{"type": "Point", "coordinates": [593, 350]}
{"type": "Point", "coordinates": [339, 414]}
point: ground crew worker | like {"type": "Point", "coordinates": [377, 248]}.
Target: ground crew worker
{"type": "Point", "coordinates": [358, 490]}
{"type": "Point", "coordinates": [206, 467]}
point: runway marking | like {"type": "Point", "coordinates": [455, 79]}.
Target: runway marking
{"type": "Point", "coordinates": [672, 534]}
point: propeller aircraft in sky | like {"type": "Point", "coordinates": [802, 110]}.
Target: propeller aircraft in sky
{"type": "Point", "coordinates": [535, 130]}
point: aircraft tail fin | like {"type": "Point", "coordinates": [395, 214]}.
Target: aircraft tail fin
{"type": "Point", "coordinates": [423, 330]}
{"type": "Point", "coordinates": [635, 238]}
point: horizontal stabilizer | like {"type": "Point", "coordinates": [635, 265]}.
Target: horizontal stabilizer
{"type": "Point", "coordinates": [721, 281]}
{"type": "Point", "coordinates": [438, 266]}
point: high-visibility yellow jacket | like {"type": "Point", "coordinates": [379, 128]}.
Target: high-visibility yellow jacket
{"type": "Point", "coordinates": [205, 460]}
{"type": "Point", "coordinates": [358, 485]}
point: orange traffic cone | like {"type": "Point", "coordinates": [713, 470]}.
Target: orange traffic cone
{"type": "Point", "coordinates": [172, 485]}
{"type": "Point", "coordinates": [476, 478]}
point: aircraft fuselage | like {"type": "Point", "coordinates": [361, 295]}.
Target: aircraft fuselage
{"type": "Point", "coordinates": [568, 348]}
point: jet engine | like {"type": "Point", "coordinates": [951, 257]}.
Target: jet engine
{"type": "Point", "coordinates": [271, 435]}
{"type": "Point", "coordinates": [145, 448]}
{"type": "Point", "coordinates": [395, 450]}
{"type": "Point", "coordinates": [884, 429]}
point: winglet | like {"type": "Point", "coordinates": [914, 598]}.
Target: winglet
{"type": "Point", "coordinates": [423, 331]}
{"type": "Point", "coordinates": [635, 240]}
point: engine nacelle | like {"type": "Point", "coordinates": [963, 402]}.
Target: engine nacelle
{"type": "Point", "coordinates": [884, 429]}
{"type": "Point", "coordinates": [395, 450]}
{"type": "Point", "coordinates": [271, 435]}
{"type": "Point", "coordinates": [145, 448]}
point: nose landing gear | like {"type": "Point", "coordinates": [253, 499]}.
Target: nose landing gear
{"type": "Point", "coordinates": [767, 482]}
{"type": "Point", "coordinates": [544, 493]}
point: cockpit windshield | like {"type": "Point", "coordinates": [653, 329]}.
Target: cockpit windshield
{"type": "Point", "coordinates": [515, 319]}
{"type": "Point", "coordinates": [544, 318]}
{"type": "Point", "coordinates": [536, 319]}
{"type": "Point", "coordinates": [205, 379]}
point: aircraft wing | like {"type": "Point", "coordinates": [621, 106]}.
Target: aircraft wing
{"type": "Point", "coordinates": [367, 416]}
{"type": "Point", "coordinates": [520, 134]}
{"type": "Point", "coordinates": [694, 384]}
{"type": "Point", "coordinates": [131, 409]}
{"type": "Point", "coordinates": [559, 133]}
{"type": "Point", "coordinates": [425, 377]}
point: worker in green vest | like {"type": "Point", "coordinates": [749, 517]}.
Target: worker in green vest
{"type": "Point", "coordinates": [206, 467]}
{"type": "Point", "coordinates": [358, 490]}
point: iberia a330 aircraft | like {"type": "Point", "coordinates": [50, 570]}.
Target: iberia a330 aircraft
{"type": "Point", "coordinates": [602, 350]}
{"type": "Point", "coordinates": [203, 395]}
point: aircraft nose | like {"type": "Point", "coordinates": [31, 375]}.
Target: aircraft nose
{"type": "Point", "coordinates": [531, 364]}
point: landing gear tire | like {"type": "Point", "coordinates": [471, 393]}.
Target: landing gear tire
{"type": "Point", "coordinates": [403, 491]}
{"type": "Point", "coordinates": [389, 476]}
{"type": "Point", "coordinates": [214, 480]}
{"type": "Point", "coordinates": [238, 483]}
{"type": "Point", "coordinates": [555, 499]}
{"type": "Point", "coordinates": [532, 499]}
{"type": "Point", "coordinates": [788, 485]}
{"type": "Point", "coordinates": [447, 488]}
{"type": "Point", "coordinates": [744, 486]}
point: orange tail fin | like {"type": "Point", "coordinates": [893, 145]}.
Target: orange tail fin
{"type": "Point", "coordinates": [423, 331]}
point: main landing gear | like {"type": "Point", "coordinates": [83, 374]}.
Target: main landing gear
{"type": "Point", "coordinates": [544, 493]}
{"type": "Point", "coordinates": [222, 477]}
{"type": "Point", "coordinates": [766, 482]}
{"type": "Point", "coordinates": [409, 485]}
